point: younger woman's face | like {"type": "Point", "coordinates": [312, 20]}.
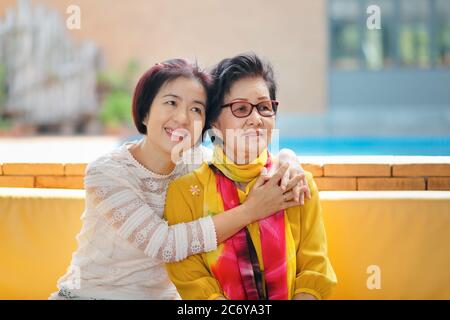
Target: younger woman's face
{"type": "Point", "coordinates": [177, 115]}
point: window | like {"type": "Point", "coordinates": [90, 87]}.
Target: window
{"type": "Point", "coordinates": [443, 32]}
{"type": "Point", "coordinates": [345, 34]}
{"type": "Point", "coordinates": [413, 34]}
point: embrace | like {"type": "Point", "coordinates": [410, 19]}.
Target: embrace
{"type": "Point", "coordinates": [241, 223]}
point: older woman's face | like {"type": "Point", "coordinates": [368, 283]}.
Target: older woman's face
{"type": "Point", "coordinates": [245, 138]}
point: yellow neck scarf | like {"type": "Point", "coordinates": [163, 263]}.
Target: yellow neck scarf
{"type": "Point", "coordinates": [239, 173]}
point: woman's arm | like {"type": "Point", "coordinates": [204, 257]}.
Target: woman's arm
{"type": "Point", "coordinates": [284, 157]}
{"type": "Point", "coordinates": [115, 198]}
{"type": "Point", "coordinates": [264, 199]}
{"type": "Point", "coordinates": [191, 276]}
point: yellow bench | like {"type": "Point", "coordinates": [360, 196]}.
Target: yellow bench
{"type": "Point", "coordinates": [37, 239]}
{"type": "Point", "coordinates": [383, 245]}
{"type": "Point", "coordinates": [405, 235]}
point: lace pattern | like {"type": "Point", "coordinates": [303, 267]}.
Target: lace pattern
{"type": "Point", "coordinates": [131, 199]}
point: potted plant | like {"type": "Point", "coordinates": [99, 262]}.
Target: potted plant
{"type": "Point", "coordinates": [5, 124]}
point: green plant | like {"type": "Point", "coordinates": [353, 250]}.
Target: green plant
{"type": "Point", "coordinates": [116, 90]}
{"type": "Point", "coordinates": [116, 109]}
{"type": "Point", "coordinates": [130, 72]}
{"type": "Point", "coordinates": [5, 124]}
{"type": "Point", "coordinates": [112, 80]}
{"type": "Point", "coordinates": [2, 87]}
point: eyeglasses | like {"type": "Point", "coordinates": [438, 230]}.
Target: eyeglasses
{"type": "Point", "coordinates": [242, 108]}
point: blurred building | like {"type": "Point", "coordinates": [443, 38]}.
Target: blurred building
{"type": "Point", "coordinates": [292, 34]}
{"type": "Point", "coordinates": [50, 80]}
{"type": "Point", "coordinates": [336, 77]}
{"type": "Point", "coordinates": [392, 81]}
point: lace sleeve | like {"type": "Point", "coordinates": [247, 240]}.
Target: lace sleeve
{"type": "Point", "coordinates": [136, 221]}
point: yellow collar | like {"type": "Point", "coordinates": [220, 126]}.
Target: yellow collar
{"type": "Point", "coordinates": [239, 173]}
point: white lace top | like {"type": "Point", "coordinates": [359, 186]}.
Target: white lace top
{"type": "Point", "coordinates": [125, 241]}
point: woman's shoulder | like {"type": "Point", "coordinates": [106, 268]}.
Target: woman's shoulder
{"type": "Point", "coordinates": [118, 166]}
{"type": "Point", "coordinates": [308, 202]}
{"type": "Point", "coordinates": [185, 192]}
{"type": "Point", "coordinates": [311, 183]}
{"type": "Point", "coordinates": [309, 178]}
{"type": "Point", "coordinates": [189, 190]}
{"type": "Point", "coordinates": [198, 176]}
{"type": "Point", "coordinates": [110, 161]}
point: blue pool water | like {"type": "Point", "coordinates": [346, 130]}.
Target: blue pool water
{"type": "Point", "coordinates": [335, 146]}
{"type": "Point", "coordinates": [399, 146]}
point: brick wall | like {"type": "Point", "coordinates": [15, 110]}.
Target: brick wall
{"type": "Point", "coordinates": [42, 175]}
{"type": "Point", "coordinates": [328, 176]}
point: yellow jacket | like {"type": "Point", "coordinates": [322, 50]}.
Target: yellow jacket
{"type": "Point", "coordinates": [193, 278]}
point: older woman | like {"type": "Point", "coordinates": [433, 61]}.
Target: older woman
{"type": "Point", "coordinates": [283, 256]}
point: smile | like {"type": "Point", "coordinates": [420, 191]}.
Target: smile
{"type": "Point", "coordinates": [175, 134]}
{"type": "Point", "coordinates": [253, 133]}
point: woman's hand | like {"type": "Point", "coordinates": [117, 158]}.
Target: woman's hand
{"type": "Point", "coordinates": [287, 156]}
{"type": "Point", "coordinates": [267, 197]}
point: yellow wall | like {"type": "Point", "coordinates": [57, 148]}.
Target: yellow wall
{"type": "Point", "coordinates": [37, 239]}
{"type": "Point", "coordinates": [405, 234]}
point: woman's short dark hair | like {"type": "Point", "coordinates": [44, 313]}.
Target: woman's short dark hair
{"type": "Point", "coordinates": [227, 72]}
{"type": "Point", "coordinates": [151, 82]}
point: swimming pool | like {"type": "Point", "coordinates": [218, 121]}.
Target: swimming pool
{"type": "Point", "coordinates": [398, 146]}
{"type": "Point", "coordinates": [350, 145]}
